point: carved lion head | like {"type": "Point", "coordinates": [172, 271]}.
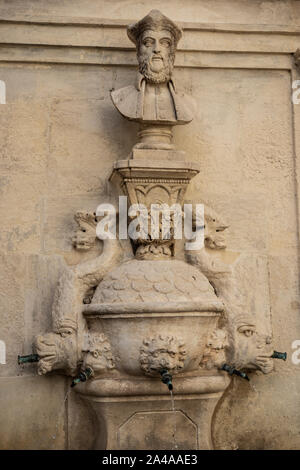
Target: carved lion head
{"type": "Point", "coordinates": [162, 352]}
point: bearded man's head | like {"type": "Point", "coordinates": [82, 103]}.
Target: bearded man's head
{"type": "Point", "coordinates": [156, 55]}
{"type": "Point", "coordinates": [155, 37]}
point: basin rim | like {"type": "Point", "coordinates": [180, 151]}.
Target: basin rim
{"type": "Point", "coordinates": [201, 308]}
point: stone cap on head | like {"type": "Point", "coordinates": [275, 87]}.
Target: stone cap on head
{"type": "Point", "coordinates": [155, 19]}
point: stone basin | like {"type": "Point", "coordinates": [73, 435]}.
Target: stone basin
{"type": "Point", "coordinates": [155, 314]}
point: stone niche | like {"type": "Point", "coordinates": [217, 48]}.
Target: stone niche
{"type": "Point", "coordinates": [233, 146]}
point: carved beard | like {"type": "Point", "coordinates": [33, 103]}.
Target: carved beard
{"type": "Point", "coordinates": [163, 75]}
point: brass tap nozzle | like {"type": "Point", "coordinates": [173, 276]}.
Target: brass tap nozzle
{"type": "Point", "coordinates": [279, 355]}
{"type": "Point", "coordinates": [231, 370]}
{"type": "Point", "coordinates": [28, 358]}
{"type": "Point", "coordinates": [83, 376]}
{"type": "Point", "coordinates": [166, 378]}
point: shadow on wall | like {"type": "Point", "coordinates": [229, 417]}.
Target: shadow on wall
{"type": "Point", "coordinates": [245, 408]}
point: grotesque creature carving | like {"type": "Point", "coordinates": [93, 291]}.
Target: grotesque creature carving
{"type": "Point", "coordinates": [85, 237]}
{"type": "Point", "coordinates": [214, 353]}
{"type": "Point", "coordinates": [249, 348]}
{"type": "Point", "coordinates": [62, 349]}
{"type": "Point", "coordinates": [56, 351]}
{"type": "Point", "coordinates": [246, 348]}
{"type": "Point", "coordinates": [214, 237]}
{"type": "Point", "coordinates": [162, 352]}
{"type": "Point", "coordinates": [97, 353]}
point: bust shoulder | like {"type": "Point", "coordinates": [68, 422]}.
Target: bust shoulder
{"type": "Point", "coordinates": [129, 102]}
{"type": "Point", "coordinates": [185, 107]}
{"type": "Point", "coordinates": [126, 100]}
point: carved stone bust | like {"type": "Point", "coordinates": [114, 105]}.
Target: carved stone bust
{"type": "Point", "coordinates": [154, 98]}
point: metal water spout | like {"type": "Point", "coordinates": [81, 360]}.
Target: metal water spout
{"type": "Point", "coordinates": [166, 378]}
{"type": "Point", "coordinates": [83, 376]}
{"type": "Point", "coordinates": [28, 358]}
{"type": "Point", "coordinates": [279, 355]}
{"type": "Point", "coordinates": [231, 370]}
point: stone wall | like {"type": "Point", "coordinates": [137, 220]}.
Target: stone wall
{"type": "Point", "coordinates": [60, 135]}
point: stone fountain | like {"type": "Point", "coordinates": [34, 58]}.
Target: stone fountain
{"type": "Point", "coordinates": [119, 321]}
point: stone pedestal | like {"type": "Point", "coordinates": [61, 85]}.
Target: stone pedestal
{"type": "Point", "coordinates": [151, 177]}
{"type": "Point", "coordinates": [155, 178]}
{"type": "Point", "coordinates": [137, 414]}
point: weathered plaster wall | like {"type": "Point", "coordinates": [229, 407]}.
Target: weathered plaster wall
{"type": "Point", "coordinates": [59, 138]}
